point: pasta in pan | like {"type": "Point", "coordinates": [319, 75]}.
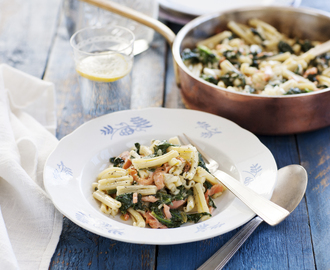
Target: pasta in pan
{"type": "Point", "coordinates": [257, 59]}
{"type": "Point", "coordinates": [163, 185]}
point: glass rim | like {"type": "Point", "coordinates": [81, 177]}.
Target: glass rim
{"type": "Point", "coordinates": [74, 46]}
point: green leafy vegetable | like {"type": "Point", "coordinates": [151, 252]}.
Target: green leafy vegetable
{"type": "Point", "coordinates": [256, 33]}
{"type": "Point", "coordinates": [111, 191]}
{"type": "Point", "coordinates": [209, 78]}
{"type": "Point", "coordinates": [163, 197]}
{"type": "Point", "coordinates": [162, 146]}
{"type": "Point", "coordinates": [197, 216]}
{"type": "Point", "coordinates": [183, 194]}
{"type": "Point", "coordinates": [117, 161]}
{"type": "Point", "coordinates": [233, 79]}
{"type": "Point", "coordinates": [201, 162]}
{"type": "Point", "coordinates": [206, 55]}
{"type": "Point", "coordinates": [190, 55]}
{"type": "Point", "coordinates": [284, 47]}
{"type": "Point", "coordinates": [211, 202]}
{"type": "Point", "coordinates": [127, 202]}
{"type": "Point", "coordinates": [137, 146]}
{"type": "Point", "coordinates": [296, 90]}
{"type": "Point", "coordinates": [176, 220]}
{"type": "Point", "coordinates": [207, 185]}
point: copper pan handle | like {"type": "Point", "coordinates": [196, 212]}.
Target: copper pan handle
{"type": "Point", "coordinates": [134, 15]}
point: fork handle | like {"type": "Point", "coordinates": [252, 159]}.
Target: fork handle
{"type": "Point", "coordinates": [227, 251]}
{"type": "Point", "coordinates": [270, 212]}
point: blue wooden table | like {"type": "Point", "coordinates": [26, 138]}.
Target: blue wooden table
{"type": "Point", "coordinates": [34, 38]}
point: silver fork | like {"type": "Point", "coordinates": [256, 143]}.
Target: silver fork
{"type": "Point", "coordinates": [270, 212]}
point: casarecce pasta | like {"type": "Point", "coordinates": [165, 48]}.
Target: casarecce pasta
{"type": "Point", "coordinates": [257, 59]}
{"type": "Point", "coordinates": [163, 185]}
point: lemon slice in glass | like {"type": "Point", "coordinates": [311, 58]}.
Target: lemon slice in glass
{"type": "Point", "coordinates": [107, 67]}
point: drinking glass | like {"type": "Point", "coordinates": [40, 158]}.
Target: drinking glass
{"type": "Point", "coordinates": [103, 59]}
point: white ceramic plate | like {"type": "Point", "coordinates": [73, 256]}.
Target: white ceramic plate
{"type": "Point", "coordinates": [73, 166]}
{"type": "Point", "coordinates": [198, 7]}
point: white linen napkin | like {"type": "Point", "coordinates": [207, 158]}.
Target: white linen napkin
{"type": "Point", "coordinates": [30, 225]}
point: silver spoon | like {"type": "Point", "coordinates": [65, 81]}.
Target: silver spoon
{"type": "Point", "coordinates": [289, 190]}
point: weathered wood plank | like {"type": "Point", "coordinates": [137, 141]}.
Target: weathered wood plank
{"type": "Point", "coordinates": [27, 29]}
{"type": "Point", "coordinates": [80, 249]}
{"type": "Point", "coordinates": [314, 148]}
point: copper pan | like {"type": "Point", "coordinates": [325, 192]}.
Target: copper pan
{"type": "Point", "coordinates": [266, 115]}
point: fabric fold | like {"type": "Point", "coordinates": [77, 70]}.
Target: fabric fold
{"type": "Point", "coordinates": [30, 225]}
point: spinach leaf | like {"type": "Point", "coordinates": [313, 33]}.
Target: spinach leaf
{"type": "Point", "coordinates": [197, 216]}
{"type": "Point", "coordinates": [183, 194]}
{"type": "Point", "coordinates": [137, 146]}
{"type": "Point", "coordinates": [284, 47]}
{"type": "Point", "coordinates": [163, 145]}
{"type": "Point", "coordinates": [206, 55]}
{"type": "Point", "coordinates": [209, 78]}
{"type": "Point", "coordinates": [233, 77]}
{"type": "Point", "coordinates": [211, 203]}
{"type": "Point", "coordinates": [207, 184]}
{"type": "Point", "coordinates": [117, 161]}
{"type": "Point", "coordinates": [127, 202]}
{"type": "Point", "coordinates": [256, 33]}
{"type": "Point", "coordinates": [296, 90]}
{"type": "Point", "coordinates": [164, 198]}
{"type": "Point", "coordinates": [190, 55]}
{"type": "Point", "coordinates": [201, 162]}
{"type": "Point", "coordinates": [176, 220]}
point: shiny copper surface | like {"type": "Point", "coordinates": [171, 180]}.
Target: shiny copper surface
{"type": "Point", "coordinates": [267, 115]}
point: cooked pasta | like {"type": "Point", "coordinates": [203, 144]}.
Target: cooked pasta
{"type": "Point", "coordinates": [257, 59]}
{"type": "Point", "coordinates": [163, 185]}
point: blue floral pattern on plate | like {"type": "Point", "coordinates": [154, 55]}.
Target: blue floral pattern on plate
{"type": "Point", "coordinates": [209, 132]}
{"type": "Point", "coordinates": [98, 224]}
{"type": "Point", "coordinates": [255, 169]}
{"type": "Point", "coordinates": [62, 172]}
{"type": "Point", "coordinates": [125, 129]}
{"type": "Point", "coordinates": [204, 227]}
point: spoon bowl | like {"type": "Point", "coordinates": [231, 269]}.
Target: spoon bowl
{"type": "Point", "coordinates": [290, 187]}
{"type": "Point", "coordinates": [289, 190]}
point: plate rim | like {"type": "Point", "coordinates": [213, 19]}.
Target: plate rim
{"type": "Point", "coordinates": [154, 242]}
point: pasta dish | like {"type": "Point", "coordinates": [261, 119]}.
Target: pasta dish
{"type": "Point", "coordinates": [163, 185]}
{"type": "Point", "coordinates": [257, 59]}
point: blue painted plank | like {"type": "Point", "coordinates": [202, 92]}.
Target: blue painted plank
{"type": "Point", "coordinates": [314, 148]}
{"type": "Point", "coordinates": [27, 30]}
{"type": "Point", "coordinates": [80, 249]}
